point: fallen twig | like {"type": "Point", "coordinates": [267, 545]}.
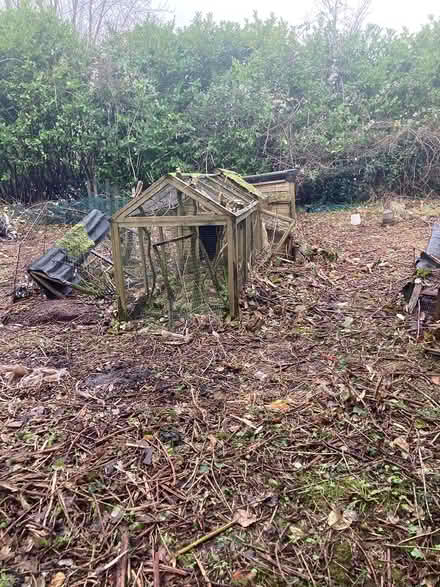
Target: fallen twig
{"type": "Point", "coordinates": [122, 569]}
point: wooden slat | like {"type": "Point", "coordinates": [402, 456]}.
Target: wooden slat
{"type": "Point", "coordinates": [140, 200]}
{"type": "Point", "coordinates": [273, 187]}
{"type": "Point", "coordinates": [233, 190]}
{"type": "Point", "coordinates": [143, 258]}
{"type": "Point", "coordinates": [247, 211]}
{"type": "Point", "coordinates": [282, 209]}
{"type": "Point", "coordinates": [279, 216]}
{"type": "Point", "coordinates": [246, 249]}
{"type": "Point", "coordinates": [259, 231]}
{"type": "Point", "coordinates": [282, 197]}
{"type": "Point", "coordinates": [292, 198]}
{"type": "Point", "coordinates": [269, 183]}
{"type": "Point", "coordinates": [232, 269]}
{"type": "Point", "coordinates": [173, 221]}
{"type": "Point", "coordinates": [119, 276]}
{"type": "Point", "coordinates": [199, 197]}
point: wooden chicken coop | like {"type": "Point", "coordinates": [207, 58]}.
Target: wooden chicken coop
{"type": "Point", "coordinates": [184, 246]}
{"type": "Point", "coordinates": [279, 187]}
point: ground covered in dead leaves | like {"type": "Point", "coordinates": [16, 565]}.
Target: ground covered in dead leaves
{"type": "Point", "coordinates": [305, 438]}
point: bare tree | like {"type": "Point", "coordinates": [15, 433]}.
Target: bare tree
{"type": "Point", "coordinates": [343, 16]}
{"type": "Point", "coordinates": [93, 19]}
{"type": "Point", "coordinates": [342, 20]}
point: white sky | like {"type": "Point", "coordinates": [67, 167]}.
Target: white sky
{"type": "Point", "coordinates": [388, 13]}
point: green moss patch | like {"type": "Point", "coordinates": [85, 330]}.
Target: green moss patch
{"type": "Point", "coordinates": [238, 179]}
{"type": "Point", "coordinates": [76, 242]}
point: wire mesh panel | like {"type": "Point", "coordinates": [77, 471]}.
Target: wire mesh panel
{"type": "Point", "coordinates": [173, 272]}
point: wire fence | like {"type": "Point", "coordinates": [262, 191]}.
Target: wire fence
{"type": "Point", "coordinates": [173, 273]}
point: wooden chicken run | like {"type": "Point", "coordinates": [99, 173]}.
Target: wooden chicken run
{"type": "Point", "coordinates": [185, 245]}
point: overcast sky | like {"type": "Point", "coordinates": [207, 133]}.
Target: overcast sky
{"type": "Point", "coordinates": [389, 13]}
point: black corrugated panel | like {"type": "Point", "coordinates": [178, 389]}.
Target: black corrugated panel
{"type": "Point", "coordinates": [97, 225]}
{"type": "Point", "coordinates": [54, 271]}
{"type": "Point", "coordinates": [286, 175]}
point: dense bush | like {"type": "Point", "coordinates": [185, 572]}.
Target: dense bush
{"type": "Point", "coordinates": [354, 106]}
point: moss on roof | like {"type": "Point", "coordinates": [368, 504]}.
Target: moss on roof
{"type": "Point", "coordinates": [76, 242]}
{"type": "Point", "coordinates": [238, 179]}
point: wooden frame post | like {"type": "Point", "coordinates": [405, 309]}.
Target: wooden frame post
{"type": "Point", "coordinates": [247, 246]}
{"type": "Point", "coordinates": [140, 233]}
{"type": "Point", "coordinates": [119, 275]}
{"type": "Point", "coordinates": [291, 177]}
{"type": "Point", "coordinates": [258, 243]}
{"type": "Point", "coordinates": [231, 231]}
{"type": "Point", "coordinates": [180, 211]}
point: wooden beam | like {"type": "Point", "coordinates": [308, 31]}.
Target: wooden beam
{"type": "Point", "coordinates": [259, 230]}
{"type": "Point", "coordinates": [246, 250]}
{"type": "Point", "coordinates": [172, 240]}
{"type": "Point", "coordinates": [246, 211]}
{"type": "Point", "coordinates": [199, 220]}
{"type": "Point", "coordinates": [143, 259]}
{"type": "Point", "coordinates": [119, 276]}
{"type": "Point", "coordinates": [141, 199]}
{"type": "Point", "coordinates": [235, 191]}
{"type": "Point", "coordinates": [180, 232]}
{"type": "Point", "coordinates": [292, 199]}
{"type": "Point", "coordinates": [275, 215]}
{"type": "Point", "coordinates": [199, 197]}
{"type": "Point", "coordinates": [232, 269]}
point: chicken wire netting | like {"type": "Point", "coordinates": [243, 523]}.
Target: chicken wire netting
{"type": "Point", "coordinates": [172, 273]}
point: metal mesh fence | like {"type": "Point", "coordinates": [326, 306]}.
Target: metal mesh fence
{"type": "Point", "coordinates": [174, 272]}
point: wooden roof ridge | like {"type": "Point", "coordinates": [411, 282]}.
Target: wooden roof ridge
{"type": "Point", "coordinates": [239, 180]}
{"type": "Point", "coordinates": [178, 181]}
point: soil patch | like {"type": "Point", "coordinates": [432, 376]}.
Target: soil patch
{"type": "Point", "coordinates": [38, 312]}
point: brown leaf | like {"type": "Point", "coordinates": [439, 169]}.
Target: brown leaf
{"type": "Point", "coordinates": [57, 580]}
{"type": "Point", "coordinates": [339, 520]}
{"type": "Point", "coordinates": [401, 443]}
{"type": "Point", "coordinates": [213, 440]}
{"type": "Point", "coordinates": [244, 518]}
{"type": "Point", "coordinates": [280, 405]}
{"type": "Point", "coordinates": [243, 577]}
{"type": "Point", "coordinates": [6, 553]}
